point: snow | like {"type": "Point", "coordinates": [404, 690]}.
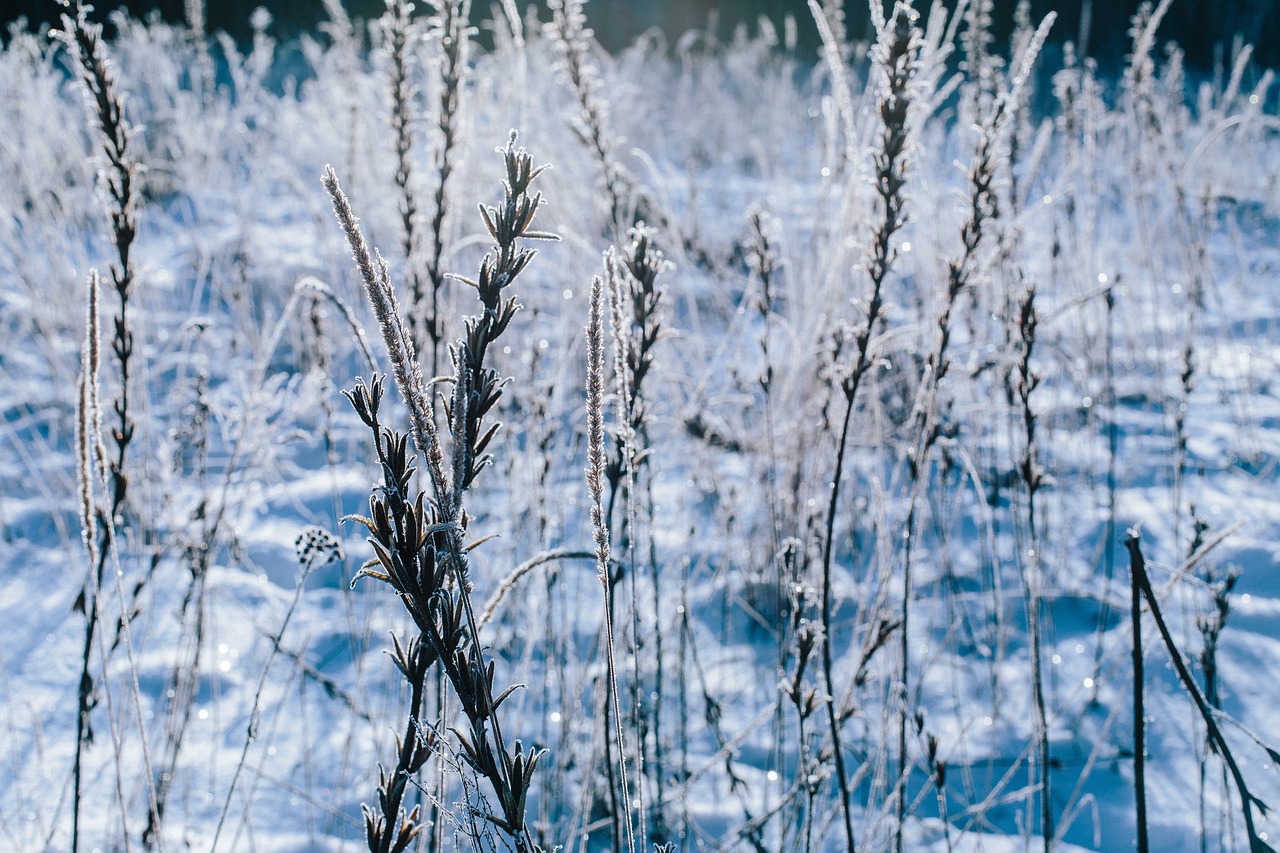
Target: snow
{"type": "Point", "coordinates": [244, 442]}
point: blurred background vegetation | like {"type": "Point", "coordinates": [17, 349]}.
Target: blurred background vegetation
{"type": "Point", "coordinates": [1205, 29]}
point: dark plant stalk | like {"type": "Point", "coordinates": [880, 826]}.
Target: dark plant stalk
{"type": "Point", "coordinates": [806, 636]}
{"type": "Point", "coordinates": [842, 777]}
{"type": "Point", "coordinates": [390, 829]}
{"type": "Point", "coordinates": [898, 50]}
{"type": "Point", "coordinates": [1138, 567]}
{"type": "Point", "coordinates": [1139, 721]}
{"type": "Point", "coordinates": [477, 389]}
{"type": "Point", "coordinates": [399, 34]}
{"type": "Point", "coordinates": [983, 209]}
{"type": "Point", "coordinates": [451, 29]}
{"type": "Point", "coordinates": [1113, 449]}
{"type": "Point", "coordinates": [1211, 627]}
{"type": "Point", "coordinates": [938, 768]}
{"type": "Point", "coordinates": [658, 763]}
{"type": "Point", "coordinates": [1180, 424]}
{"type": "Point", "coordinates": [683, 690]}
{"type": "Point", "coordinates": [763, 263]}
{"type": "Point", "coordinates": [417, 540]}
{"type": "Point", "coordinates": [983, 206]}
{"type": "Point", "coordinates": [84, 41]}
{"type": "Point", "coordinates": [573, 39]}
{"type": "Point", "coordinates": [1024, 384]}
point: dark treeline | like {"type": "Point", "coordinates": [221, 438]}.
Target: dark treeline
{"type": "Point", "coordinates": [1203, 28]}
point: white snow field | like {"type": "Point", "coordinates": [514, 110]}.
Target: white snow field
{"type": "Point", "coordinates": [1048, 301]}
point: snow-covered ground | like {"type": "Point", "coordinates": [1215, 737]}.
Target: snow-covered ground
{"type": "Point", "coordinates": [247, 691]}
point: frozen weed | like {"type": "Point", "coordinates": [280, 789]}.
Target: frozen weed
{"type": "Point", "coordinates": [418, 537]}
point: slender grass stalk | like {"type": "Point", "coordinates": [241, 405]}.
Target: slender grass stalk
{"type": "Point", "coordinates": [804, 697]}
{"type": "Point", "coordinates": [764, 263]}
{"type": "Point", "coordinates": [314, 548]}
{"type": "Point", "coordinates": [91, 455]}
{"type": "Point", "coordinates": [1139, 715]}
{"type": "Point", "coordinates": [405, 369]}
{"type": "Point", "coordinates": [938, 772]}
{"type": "Point", "coordinates": [682, 690]}
{"type": "Point", "coordinates": [1032, 475]}
{"type": "Point", "coordinates": [1112, 481]}
{"type": "Point", "coordinates": [833, 14]}
{"type": "Point", "coordinates": [599, 523]}
{"type": "Point", "coordinates": [520, 572]}
{"type": "Point", "coordinates": [834, 52]}
{"type": "Point", "coordinates": [1211, 625]}
{"type": "Point", "coordinates": [979, 63]}
{"type": "Point", "coordinates": [634, 300]}
{"type": "Point", "coordinates": [106, 108]}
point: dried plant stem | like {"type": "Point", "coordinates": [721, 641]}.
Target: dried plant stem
{"type": "Point", "coordinates": [91, 461]}
{"type": "Point", "coordinates": [599, 523]}
{"type": "Point", "coordinates": [90, 453]}
{"type": "Point", "coordinates": [317, 551]}
{"type": "Point", "coordinates": [978, 62]}
{"type": "Point", "coordinates": [319, 288]}
{"type": "Point", "coordinates": [1211, 626]}
{"type": "Point", "coordinates": [834, 53]}
{"type": "Point", "coordinates": [763, 263]}
{"type": "Point", "coordinates": [573, 39]}
{"type": "Point", "coordinates": [400, 33]}
{"type": "Point", "coordinates": [842, 777]}
{"type": "Point", "coordinates": [408, 375]}
{"type": "Point", "coordinates": [1025, 383]}
{"type": "Point", "coordinates": [418, 545]}
{"type": "Point", "coordinates": [634, 300]}
{"type": "Point", "coordinates": [983, 208]}
{"type": "Point", "coordinates": [806, 699]}
{"type": "Point", "coordinates": [451, 29]}
{"type": "Point", "coordinates": [896, 53]}
{"type": "Point", "coordinates": [519, 573]}
{"type": "Point", "coordinates": [106, 107]}
{"type": "Point", "coordinates": [1113, 452]}
{"type": "Point", "coordinates": [1138, 567]}
{"type": "Point", "coordinates": [1139, 719]}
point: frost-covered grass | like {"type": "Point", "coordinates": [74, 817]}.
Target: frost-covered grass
{"type": "Point", "coordinates": [1076, 335]}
